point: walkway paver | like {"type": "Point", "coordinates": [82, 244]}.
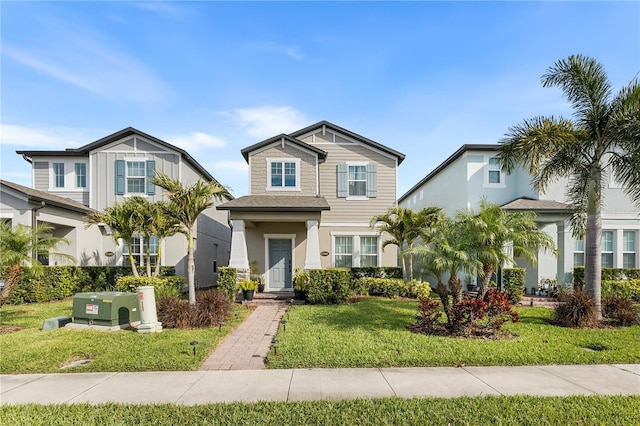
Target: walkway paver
{"type": "Point", "coordinates": [248, 346]}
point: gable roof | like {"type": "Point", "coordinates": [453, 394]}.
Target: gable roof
{"type": "Point", "coordinates": [538, 206]}
{"type": "Point", "coordinates": [129, 131]}
{"type": "Point", "coordinates": [277, 203]}
{"type": "Point", "coordinates": [400, 156]}
{"type": "Point", "coordinates": [245, 151]}
{"type": "Point", "coordinates": [445, 163]}
{"type": "Point", "coordinates": [49, 199]}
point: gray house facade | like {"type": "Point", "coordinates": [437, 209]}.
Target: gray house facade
{"type": "Point", "coordinates": [472, 172]}
{"type": "Point", "coordinates": [118, 166]}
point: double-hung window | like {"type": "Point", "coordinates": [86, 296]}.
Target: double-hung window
{"type": "Point", "coordinates": [343, 252]}
{"type": "Point", "coordinates": [137, 249]}
{"type": "Point", "coordinates": [368, 251]}
{"type": "Point", "coordinates": [355, 251]}
{"type": "Point", "coordinates": [283, 174]}
{"type": "Point", "coordinates": [578, 253]}
{"type": "Point", "coordinates": [58, 175]}
{"type": "Point", "coordinates": [357, 181]}
{"type": "Point", "coordinates": [133, 176]}
{"type": "Point", "coordinates": [136, 175]}
{"type": "Point", "coordinates": [607, 249]}
{"type": "Point", "coordinates": [81, 175]}
{"type": "Point", "coordinates": [494, 177]}
{"type": "Point", "coordinates": [629, 249]}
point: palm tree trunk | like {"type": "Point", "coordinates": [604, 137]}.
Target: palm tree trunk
{"type": "Point", "coordinates": [132, 261]}
{"type": "Point", "coordinates": [455, 287]}
{"type": "Point", "coordinates": [11, 278]}
{"type": "Point", "coordinates": [488, 270]}
{"type": "Point", "coordinates": [191, 268]}
{"type": "Point", "coordinates": [443, 292]}
{"type": "Point", "coordinates": [593, 249]}
{"type": "Point", "coordinates": [404, 266]}
{"type": "Point", "coordinates": [156, 272]}
{"type": "Point", "coordinates": [147, 255]}
{"type": "Point", "coordinates": [410, 262]}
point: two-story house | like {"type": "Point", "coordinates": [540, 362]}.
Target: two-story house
{"type": "Point", "coordinates": [472, 172]}
{"type": "Point", "coordinates": [312, 195]}
{"type": "Point", "coordinates": [118, 166]}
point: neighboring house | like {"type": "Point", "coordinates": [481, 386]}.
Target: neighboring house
{"type": "Point", "coordinates": [118, 166]}
{"type": "Point", "coordinates": [312, 194]}
{"type": "Point", "coordinates": [27, 206]}
{"type": "Point", "coordinates": [472, 172]}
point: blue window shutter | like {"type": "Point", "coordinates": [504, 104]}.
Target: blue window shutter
{"type": "Point", "coordinates": [343, 180]}
{"type": "Point", "coordinates": [151, 173]}
{"type": "Point", "coordinates": [119, 177]}
{"type": "Point", "coordinates": [372, 180]}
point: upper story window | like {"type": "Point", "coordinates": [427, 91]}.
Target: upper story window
{"type": "Point", "coordinates": [58, 175]}
{"type": "Point", "coordinates": [133, 176]}
{"type": "Point", "coordinates": [283, 174]}
{"type": "Point", "coordinates": [357, 181]}
{"type": "Point", "coordinates": [81, 175]}
{"type": "Point", "coordinates": [493, 177]}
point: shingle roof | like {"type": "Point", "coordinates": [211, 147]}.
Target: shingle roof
{"type": "Point", "coordinates": [50, 199]}
{"type": "Point", "coordinates": [85, 149]}
{"type": "Point", "coordinates": [276, 203]}
{"type": "Point", "coordinates": [245, 151]}
{"type": "Point", "coordinates": [540, 206]}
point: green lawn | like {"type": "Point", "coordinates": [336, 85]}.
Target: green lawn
{"type": "Point", "coordinates": [373, 333]}
{"type": "Point", "coordinates": [515, 410]}
{"type": "Point", "coordinates": [32, 350]}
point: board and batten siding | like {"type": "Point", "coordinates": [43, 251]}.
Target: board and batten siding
{"type": "Point", "coordinates": [260, 173]}
{"type": "Point", "coordinates": [41, 175]}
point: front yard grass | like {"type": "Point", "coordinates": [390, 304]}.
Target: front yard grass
{"type": "Point", "coordinates": [501, 410]}
{"type": "Point", "coordinates": [373, 333]}
{"type": "Point", "coordinates": [31, 350]}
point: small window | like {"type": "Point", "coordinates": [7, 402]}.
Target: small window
{"type": "Point", "coordinates": [136, 173]}
{"type": "Point", "coordinates": [494, 171]}
{"type": "Point", "coordinates": [344, 252]}
{"type": "Point", "coordinates": [629, 249]}
{"type": "Point", "coordinates": [58, 174]}
{"type": "Point", "coordinates": [81, 175]}
{"type": "Point", "coordinates": [368, 251]}
{"type": "Point", "coordinates": [607, 249]}
{"type": "Point", "coordinates": [283, 174]}
{"type": "Point", "coordinates": [578, 253]}
{"type": "Point", "coordinates": [357, 181]}
{"type": "Point", "coordinates": [215, 258]}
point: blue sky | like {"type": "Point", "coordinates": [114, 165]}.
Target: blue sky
{"type": "Point", "coordinates": [423, 78]}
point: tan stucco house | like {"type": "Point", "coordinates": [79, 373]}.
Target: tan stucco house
{"type": "Point", "coordinates": [312, 194]}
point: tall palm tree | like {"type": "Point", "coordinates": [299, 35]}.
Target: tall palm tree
{"type": "Point", "coordinates": [603, 137]}
{"type": "Point", "coordinates": [185, 205]}
{"type": "Point", "coordinates": [124, 221]}
{"type": "Point", "coordinates": [405, 226]}
{"type": "Point", "coordinates": [162, 225]}
{"type": "Point", "coordinates": [491, 230]}
{"type": "Point", "coordinates": [17, 245]}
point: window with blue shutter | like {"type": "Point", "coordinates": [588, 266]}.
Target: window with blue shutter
{"type": "Point", "coordinates": [372, 180]}
{"type": "Point", "coordinates": [343, 180]}
{"type": "Point", "coordinates": [151, 172]}
{"type": "Point", "coordinates": [120, 177]}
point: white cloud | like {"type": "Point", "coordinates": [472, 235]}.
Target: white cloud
{"type": "Point", "coordinates": [85, 60]}
{"type": "Point", "coordinates": [45, 137]}
{"type": "Point", "coordinates": [197, 140]}
{"type": "Point", "coordinates": [266, 121]}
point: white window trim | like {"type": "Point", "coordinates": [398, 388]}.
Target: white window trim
{"type": "Point", "coordinates": [122, 255]}
{"type": "Point", "coordinates": [578, 252]}
{"type": "Point", "coordinates": [613, 246]}
{"type": "Point", "coordinates": [488, 168]}
{"type": "Point", "coordinates": [69, 175]}
{"type": "Point", "coordinates": [357, 197]}
{"type": "Point", "coordinates": [635, 248]}
{"type": "Point", "coordinates": [126, 176]}
{"type": "Point", "coordinates": [86, 176]}
{"type": "Point", "coordinates": [355, 259]}
{"type": "Point", "coordinates": [283, 160]}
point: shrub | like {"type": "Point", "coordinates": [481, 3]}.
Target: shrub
{"type": "Point", "coordinates": [301, 280]}
{"type": "Point", "coordinates": [376, 272]}
{"type": "Point", "coordinates": [629, 289]}
{"type": "Point", "coordinates": [620, 310]}
{"type": "Point", "coordinates": [163, 286]}
{"type": "Point", "coordinates": [428, 317]}
{"type": "Point", "coordinates": [247, 285]}
{"type": "Point", "coordinates": [608, 274]}
{"type": "Point", "coordinates": [386, 287]}
{"type": "Point", "coordinates": [419, 289]}
{"type": "Point", "coordinates": [498, 309]}
{"type": "Point", "coordinates": [513, 280]}
{"type": "Point", "coordinates": [227, 282]}
{"type": "Point", "coordinates": [329, 286]}
{"type": "Point", "coordinates": [575, 309]}
{"type": "Point", "coordinates": [210, 308]}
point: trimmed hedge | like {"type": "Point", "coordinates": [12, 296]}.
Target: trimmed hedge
{"type": "Point", "coordinates": [629, 289]}
{"type": "Point", "coordinates": [329, 286]}
{"type": "Point", "coordinates": [608, 274]}
{"type": "Point", "coordinates": [386, 287]}
{"type": "Point", "coordinates": [164, 286]}
{"type": "Point", "coordinates": [513, 280]}
{"type": "Point", "coordinates": [59, 282]}
{"type": "Point", "coordinates": [227, 284]}
{"type": "Point", "coordinates": [376, 272]}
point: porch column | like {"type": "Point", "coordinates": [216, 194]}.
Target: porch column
{"type": "Point", "coordinates": [312, 261]}
{"type": "Point", "coordinates": [238, 257]}
{"type": "Point", "coordinates": [565, 254]}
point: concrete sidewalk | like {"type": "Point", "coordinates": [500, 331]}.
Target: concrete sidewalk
{"type": "Point", "coordinates": [203, 387]}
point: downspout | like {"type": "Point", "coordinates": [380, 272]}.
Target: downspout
{"type": "Point", "coordinates": [34, 223]}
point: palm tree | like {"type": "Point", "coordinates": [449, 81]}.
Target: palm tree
{"type": "Point", "coordinates": [602, 137]}
{"type": "Point", "coordinates": [185, 205]}
{"type": "Point", "coordinates": [492, 230]}
{"type": "Point", "coordinates": [124, 221]}
{"type": "Point", "coordinates": [405, 226]}
{"type": "Point", "coordinates": [17, 245]}
{"type": "Point", "coordinates": [162, 225]}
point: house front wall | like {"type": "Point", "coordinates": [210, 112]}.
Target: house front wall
{"type": "Point", "coordinates": [44, 179]}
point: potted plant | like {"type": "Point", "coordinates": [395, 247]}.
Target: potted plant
{"type": "Point", "coordinates": [256, 275]}
{"type": "Point", "coordinates": [248, 287]}
{"type": "Point", "coordinates": [300, 283]}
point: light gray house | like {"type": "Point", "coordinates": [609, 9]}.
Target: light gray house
{"type": "Point", "coordinates": [472, 172]}
{"type": "Point", "coordinates": [312, 194]}
{"type": "Point", "coordinates": [118, 166]}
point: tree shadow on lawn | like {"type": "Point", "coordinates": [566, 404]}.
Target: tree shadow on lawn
{"type": "Point", "coordinates": [532, 316]}
{"type": "Point", "coordinates": [368, 314]}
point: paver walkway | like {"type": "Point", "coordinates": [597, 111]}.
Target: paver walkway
{"type": "Point", "coordinates": [247, 347]}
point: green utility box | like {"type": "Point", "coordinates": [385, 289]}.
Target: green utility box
{"type": "Point", "coordinates": [109, 309]}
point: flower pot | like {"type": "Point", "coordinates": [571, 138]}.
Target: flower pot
{"type": "Point", "coordinates": [298, 294]}
{"type": "Point", "coordinates": [260, 288]}
{"type": "Point", "coordinates": [248, 295]}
